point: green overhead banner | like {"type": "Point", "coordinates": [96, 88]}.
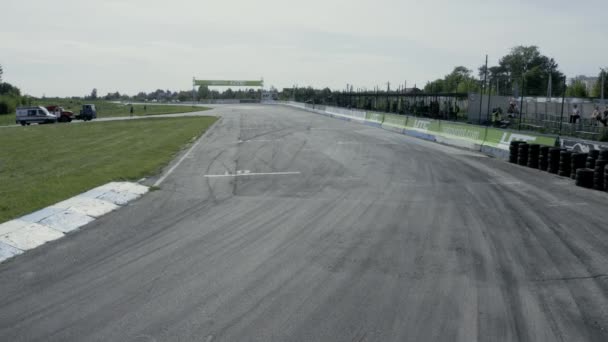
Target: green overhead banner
{"type": "Point", "coordinates": [228, 83]}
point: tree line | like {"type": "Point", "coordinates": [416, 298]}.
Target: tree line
{"type": "Point", "coordinates": [10, 96]}
{"type": "Point", "coordinates": [524, 70]}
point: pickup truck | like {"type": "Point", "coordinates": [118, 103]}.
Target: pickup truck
{"type": "Point", "coordinates": [61, 114]}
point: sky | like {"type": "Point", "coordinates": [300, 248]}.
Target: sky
{"type": "Point", "coordinates": [69, 47]}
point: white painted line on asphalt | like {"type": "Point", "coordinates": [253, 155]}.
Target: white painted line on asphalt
{"type": "Point", "coordinates": [245, 174]}
{"type": "Point", "coordinates": [163, 177]}
{"type": "Point", "coordinates": [259, 140]}
{"type": "Point", "coordinates": [566, 204]}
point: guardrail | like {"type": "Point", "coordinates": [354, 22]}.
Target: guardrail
{"type": "Point", "coordinates": [489, 140]}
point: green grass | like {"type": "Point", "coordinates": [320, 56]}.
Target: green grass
{"type": "Point", "coordinates": [107, 109]}
{"type": "Point", "coordinates": [42, 165]}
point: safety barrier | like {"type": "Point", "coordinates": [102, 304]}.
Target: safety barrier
{"type": "Point", "coordinates": [580, 145]}
{"type": "Point", "coordinates": [492, 141]}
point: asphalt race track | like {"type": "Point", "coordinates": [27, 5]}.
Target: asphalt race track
{"type": "Point", "coordinates": [282, 225]}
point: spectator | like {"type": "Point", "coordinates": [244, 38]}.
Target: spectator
{"type": "Point", "coordinates": [512, 110]}
{"type": "Point", "coordinates": [575, 115]}
{"type": "Point", "coordinates": [596, 116]}
{"type": "Point", "coordinates": [604, 119]}
{"type": "Point", "coordinates": [497, 116]}
{"type": "Point", "coordinates": [131, 110]}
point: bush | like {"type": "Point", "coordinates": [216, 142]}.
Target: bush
{"type": "Point", "coordinates": [8, 104]}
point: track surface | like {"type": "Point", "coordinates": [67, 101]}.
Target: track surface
{"type": "Point", "coordinates": [380, 237]}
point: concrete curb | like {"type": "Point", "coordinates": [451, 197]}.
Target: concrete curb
{"type": "Point", "coordinates": [51, 223]}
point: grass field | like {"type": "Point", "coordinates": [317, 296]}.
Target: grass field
{"type": "Point", "coordinates": [107, 109]}
{"type": "Point", "coordinates": [42, 165]}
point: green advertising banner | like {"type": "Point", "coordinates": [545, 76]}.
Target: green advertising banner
{"type": "Point", "coordinates": [376, 117]}
{"type": "Point", "coordinates": [502, 138]}
{"type": "Point", "coordinates": [228, 83]}
{"type": "Point", "coordinates": [476, 134]}
{"type": "Point", "coordinates": [423, 125]}
{"type": "Point", "coordinates": [395, 120]}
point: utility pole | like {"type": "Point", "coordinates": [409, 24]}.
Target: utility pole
{"type": "Point", "coordinates": [193, 90]}
{"type": "Point", "coordinates": [388, 103]}
{"type": "Point", "coordinates": [523, 89]}
{"type": "Point", "coordinates": [550, 86]}
{"type": "Point", "coordinates": [521, 106]}
{"type": "Point", "coordinates": [483, 85]}
{"type": "Point", "coordinates": [603, 80]}
{"type": "Point", "coordinates": [561, 117]}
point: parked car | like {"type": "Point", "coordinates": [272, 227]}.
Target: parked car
{"type": "Point", "coordinates": [38, 114]}
{"type": "Point", "coordinates": [87, 113]}
{"type": "Point", "coordinates": [61, 114]}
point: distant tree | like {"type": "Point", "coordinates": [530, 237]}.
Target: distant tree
{"type": "Point", "coordinates": [141, 96]}
{"type": "Point", "coordinates": [597, 87]}
{"type": "Point", "coordinates": [228, 94]}
{"type": "Point", "coordinates": [528, 63]}
{"type": "Point", "coordinates": [577, 88]}
{"type": "Point", "coordinates": [93, 94]}
{"type": "Point", "coordinates": [9, 89]}
{"type": "Point", "coordinates": [112, 96]}
{"type": "Point", "coordinates": [203, 93]}
{"type": "Point", "coordinates": [10, 98]}
{"type": "Point", "coordinates": [459, 80]}
{"type": "Point", "coordinates": [1, 73]}
{"type": "Point", "coordinates": [184, 95]}
{"type": "Point", "coordinates": [437, 86]}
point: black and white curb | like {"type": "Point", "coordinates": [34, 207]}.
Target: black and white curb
{"type": "Point", "coordinates": [51, 223]}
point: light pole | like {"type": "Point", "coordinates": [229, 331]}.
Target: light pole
{"type": "Point", "coordinates": [603, 80]}
{"type": "Point", "coordinates": [561, 117]}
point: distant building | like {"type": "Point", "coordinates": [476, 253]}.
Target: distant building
{"type": "Point", "coordinates": [588, 81]}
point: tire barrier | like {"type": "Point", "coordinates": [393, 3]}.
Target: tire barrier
{"type": "Point", "coordinates": [606, 177]}
{"type": "Point", "coordinates": [554, 154]}
{"type": "Point", "coordinates": [594, 154]}
{"type": "Point", "coordinates": [522, 155]}
{"type": "Point", "coordinates": [584, 178]}
{"type": "Point", "coordinates": [514, 151]}
{"type": "Point", "coordinates": [598, 174]}
{"type": "Point", "coordinates": [578, 162]}
{"type": "Point", "coordinates": [533, 155]}
{"type": "Point", "coordinates": [565, 163]}
{"type": "Point", "coordinates": [603, 154]}
{"type": "Point", "coordinates": [543, 159]}
{"type": "Point", "coordinates": [590, 164]}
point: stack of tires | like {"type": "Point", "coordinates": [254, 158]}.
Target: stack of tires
{"type": "Point", "coordinates": [584, 178]}
{"type": "Point", "coordinates": [591, 158]}
{"type": "Point", "coordinates": [606, 177]}
{"type": "Point", "coordinates": [543, 159]}
{"type": "Point", "coordinates": [565, 163]}
{"type": "Point", "coordinates": [554, 154]}
{"type": "Point", "coordinates": [578, 162]}
{"type": "Point", "coordinates": [522, 154]}
{"type": "Point", "coordinates": [533, 155]}
{"type": "Point", "coordinates": [514, 151]}
{"type": "Point", "coordinates": [598, 175]}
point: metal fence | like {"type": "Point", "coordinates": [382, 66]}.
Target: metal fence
{"type": "Point", "coordinates": [541, 114]}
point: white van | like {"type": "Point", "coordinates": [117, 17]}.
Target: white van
{"type": "Point", "coordinates": [28, 115]}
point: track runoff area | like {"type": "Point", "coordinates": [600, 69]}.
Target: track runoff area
{"type": "Point", "coordinates": [285, 225]}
